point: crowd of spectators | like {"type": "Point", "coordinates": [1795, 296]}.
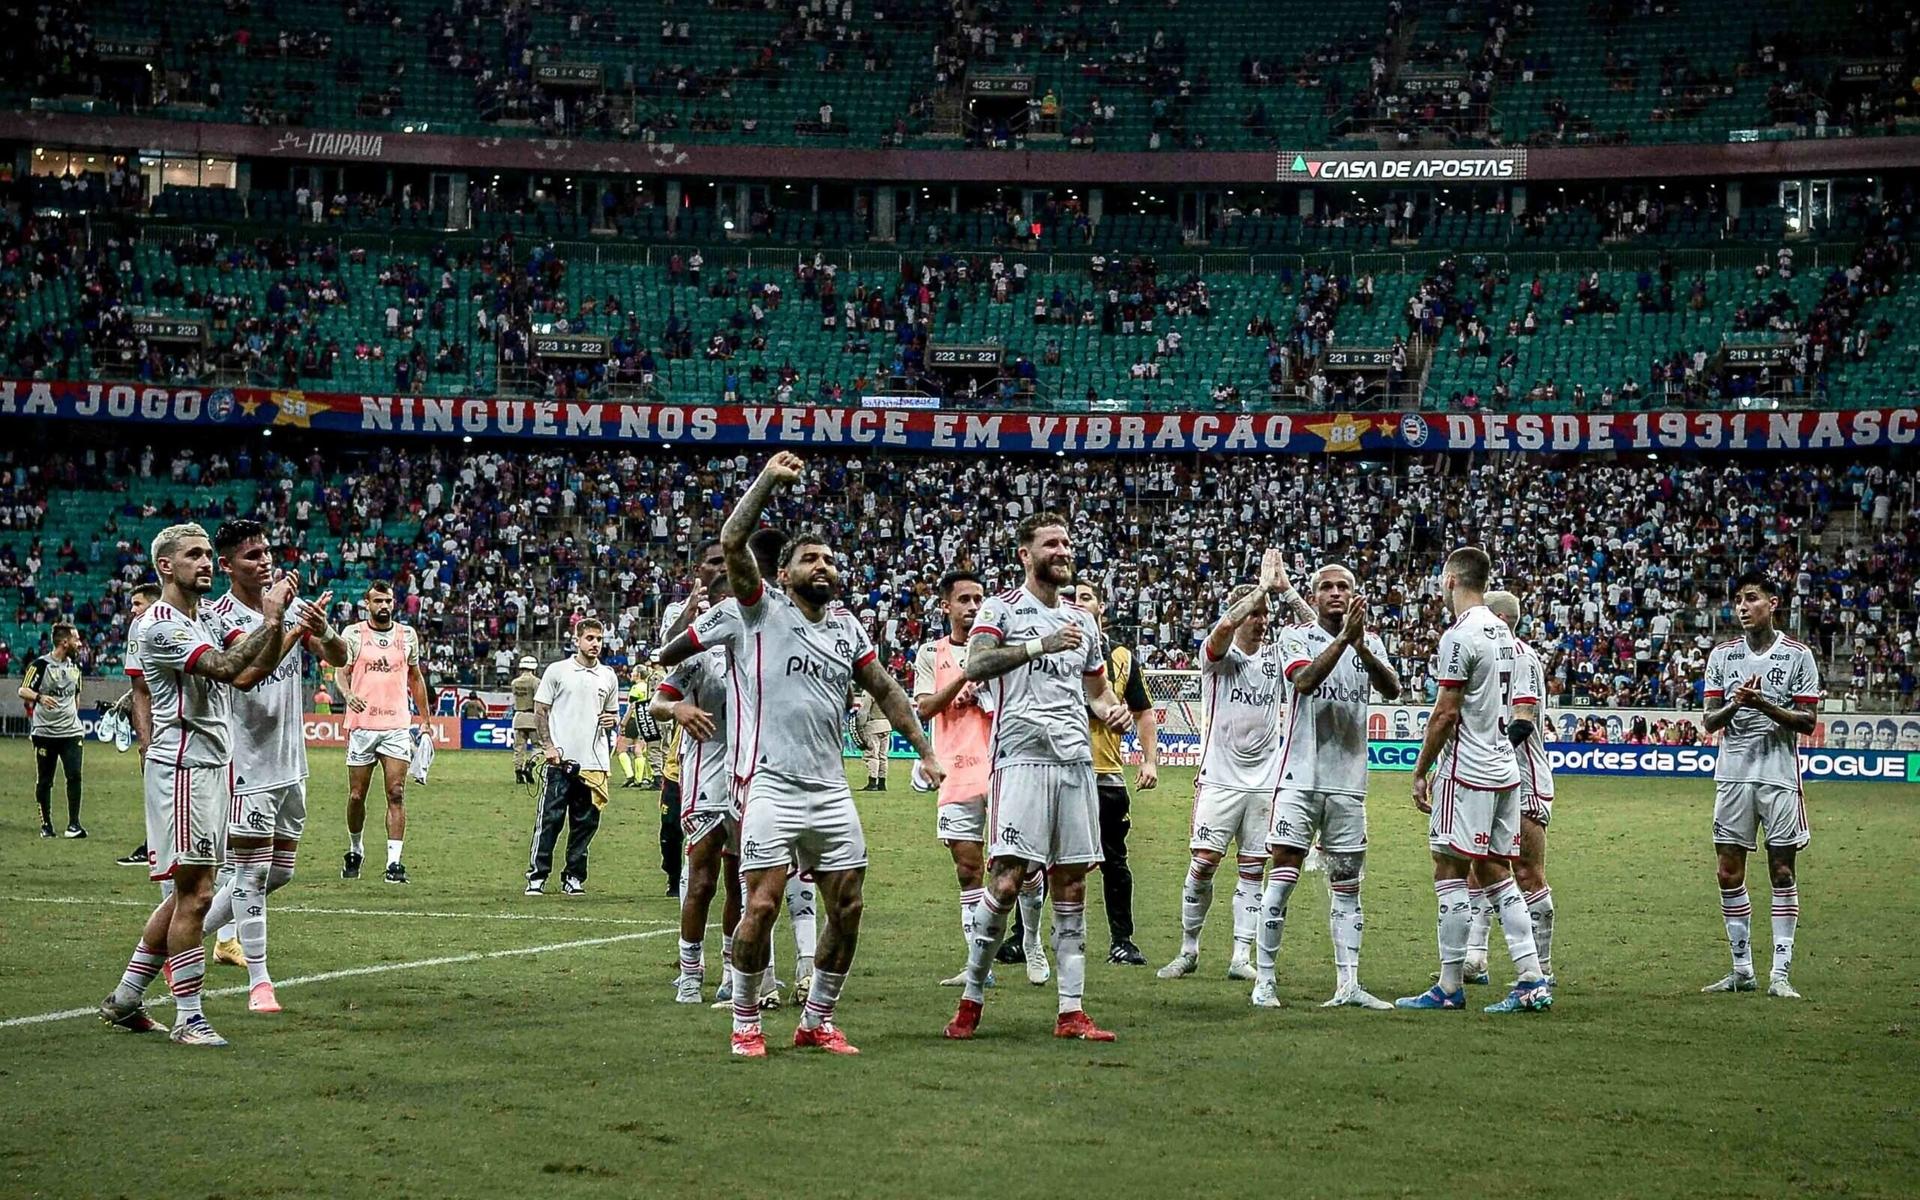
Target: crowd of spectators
{"type": "Point", "coordinates": [1623, 568]}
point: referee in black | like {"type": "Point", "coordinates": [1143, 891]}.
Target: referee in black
{"type": "Point", "coordinates": [52, 692]}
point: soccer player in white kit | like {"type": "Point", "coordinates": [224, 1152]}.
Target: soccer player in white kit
{"type": "Point", "coordinates": [269, 806]}
{"type": "Point", "coordinates": [1043, 658]}
{"type": "Point", "coordinates": [1765, 689]}
{"type": "Point", "coordinates": [1536, 804]}
{"type": "Point", "coordinates": [1239, 766]}
{"type": "Point", "coordinates": [188, 668]}
{"type": "Point", "coordinates": [795, 653]}
{"type": "Point", "coordinates": [1473, 799]}
{"type": "Point", "coordinates": [1331, 666]}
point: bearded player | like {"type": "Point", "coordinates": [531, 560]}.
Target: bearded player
{"type": "Point", "coordinates": [1042, 655]}
{"type": "Point", "coordinates": [795, 654]}
{"type": "Point", "coordinates": [383, 668]}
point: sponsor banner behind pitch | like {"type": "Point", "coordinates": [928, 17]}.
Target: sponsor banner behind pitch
{"type": "Point", "coordinates": [330, 729]}
{"type": "Point", "coordinates": [802, 425]}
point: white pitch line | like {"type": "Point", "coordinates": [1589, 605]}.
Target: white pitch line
{"type": "Point", "coordinates": [354, 972]}
{"type": "Point", "coordinates": [360, 912]}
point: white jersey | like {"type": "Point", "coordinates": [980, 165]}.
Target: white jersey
{"type": "Point", "coordinates": [790, 679]}
{"type": "Point", "coordinates": [702, 682]}
{"type": "Point", "coordinates": [1326, 747]}
{"type": "Point", "coordinates": [577, 696]}
{"type": "Point", "coordinates": [1530, 687]}
{"type": "Point", "coordinates": [269, 743]}
{"type": "Point", "coordinates": [1752, 748]}
{"type": "Point", "coordinates": [1240, 718]}
{"type": "Point", "coordinates": [1476, 655]}
{"type": "Point", "coordinates": [1040, 708]}
{"type": "Point", "coordinates": [190, 712]}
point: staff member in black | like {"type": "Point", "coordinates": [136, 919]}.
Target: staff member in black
{"type": "Point", "coordinates": [52, 692]}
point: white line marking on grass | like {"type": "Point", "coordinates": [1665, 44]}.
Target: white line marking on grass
{"type": "Point", "coordinates": [362, 912]}
{"type": "Point", "coordinates": [354, 972]}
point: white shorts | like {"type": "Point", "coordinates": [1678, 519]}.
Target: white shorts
{"type": "Point", "coordinates": [1474, 823]}
{"type": "Point", "coordinates": [1224, 814]}
{"type": "Point", "coordinates": [962, 821]}
{"type": "Point", "coordinates": [279, 813]}
{"type": "Point", "coordinates": [1046, 813]}
{"type": "Point", "coordinates": [1340, 820]}
{"type": "Point", "coordinates": [809, 826]}
{"type": "Point", "coordinates": [696, 825]}
{"type": "Point", "coordinates": [1538, 809]}
{"type": "Point", "coordinates": [1739, 809]}
{"type": "Point", "coordinates": [363, 745]}
{"type": "Point", "coordinates": [186, 816]}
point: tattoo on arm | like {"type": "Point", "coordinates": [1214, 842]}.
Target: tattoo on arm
{"type": "Point", "coordinates": [540, 716]}
{"type": "Point", "coordinates": [226, 665]}
{"type": "Point", "coordinates": [988, 659]}
{"type": "Point", "coordinates": [743, 573]}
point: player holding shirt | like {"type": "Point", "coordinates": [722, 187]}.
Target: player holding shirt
{"type": "Point", "coordinates": [944, 697]}
{"type": "Point", "coordinates": [1473, 799]}
{"type": "Point", "coordinates": [383, 668]}
{"type": "Point", "coordinates": [1331, 666]}
{"type": "Point", "coordinates": [1043, 658]}
{"type": "Point", "coordinates": [795, 653]}
{"type": "Point", "coordinates": [188, 675]}
{"type": "Point", "coordinates": [1536, 803]}
{"type": "Point", "coordinates": [269, 807]}
{"type": "Point", "coordinates": [1765, 689]}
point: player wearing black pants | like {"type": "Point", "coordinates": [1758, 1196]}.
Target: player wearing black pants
{"type": "Point", "coordinates": [52, 690]}
{"type": "Point", "coordinates": [1109, 772]}
{"type": "Point", "coordinates": [671, 847]}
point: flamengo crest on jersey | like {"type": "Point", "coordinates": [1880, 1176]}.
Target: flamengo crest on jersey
{"type": "Point", "coordinates": [1240, 722]}
{"type": "Point", "coordinates": [190, 712]}
{"type": "Point", "coordinates": [269, 741]}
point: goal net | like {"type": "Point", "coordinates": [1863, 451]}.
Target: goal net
{"type": "Point", "coordinates": [1176, 705]}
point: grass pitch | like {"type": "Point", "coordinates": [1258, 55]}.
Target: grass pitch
{"type": "Point", "coordinates": [562, 1066]}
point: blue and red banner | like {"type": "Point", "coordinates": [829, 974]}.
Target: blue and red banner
{"type": "Point", "coordinates": [959, 431]}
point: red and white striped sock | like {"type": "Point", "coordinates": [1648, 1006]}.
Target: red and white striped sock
{"type": "Point", "coordinates": [1195, 899]}
{"type": "Point", "coordinates": [1786, 922]}
{"type": "Point", "coordinates": [1070, 953]}
{"type": "Point", "coordinates": [692, 960]}
{"type": "Point", "coordinates": [1737, 911]}
{"type": "Point", "coordinates": [1273, 920]}
{"type": "Point", "coordinates": [821, 998]}
{"type": "Point", "coordinates": [968, 898]}
{"type": "Point", "coordinates": [250, 870]}
{"type": "Point", "coordinates": [746, 1001]}
{"type": "Point", "coordinates": [141, 969]}
{"type": "Point", "coordinates": [1246, 905]}
{"type": "Point", "coordinates": [186, 970]}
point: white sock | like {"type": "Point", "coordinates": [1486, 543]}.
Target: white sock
{"type": "Point", "coordinates": [1344, 926]}
{"type": "Point", "coordinates": [1480, 924]}
{"type": "Point", "coordinates": [250, 910]}
{"type": "Point", "coordinates": [1246, 906]}
{"type": "Point", "coordinates": [1455, 917]}
{"type": "Point", "coordinates": [746, 1001]}
{"type": "Point", "coordinates": [1070, 953]}
{"type": "Point", "coordinates": [357, 843]}
{"type": "Point", "coordinates": [186, 971]}
{"type": "Point", "coordinates": [692, 961]}
{"type": "Point", "coordinates": [1033, 897]}
{"type": "Point", "coordinates": [393, 851]}
{"type": "Point", "coordinates": [726, 953]}
{"type": "Point", "coordinates": [968, 899]}
{"type": "Point", "coordinates": [1511, 906]}
{"type": "Point", "coordinates": [1540, 908]}
{"type": "Point", "coordinates": [989, 926]}
{"type": "Point", "coordinates": [803, 910]}
{"type": "Point", "coordinates": [222, 880]}
{"type": "Point", "coordinates": [281, 873]}
{"type": "Point", "coordinates": [1786, 922]}
{"type": "Point", "coordinates": [1195, 899]}
{"type": "Point", "coordinates": [1737, 911]}
{"type": "Point", "coordinates": [219, 912]}
{"type": "Point", "coordinates": [821, 998]}
{"type": "Point", "coordinates": [1273, 920]}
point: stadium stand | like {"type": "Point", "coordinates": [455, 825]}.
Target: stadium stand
{"type": "Point", "coordinates": [1624, 566]}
